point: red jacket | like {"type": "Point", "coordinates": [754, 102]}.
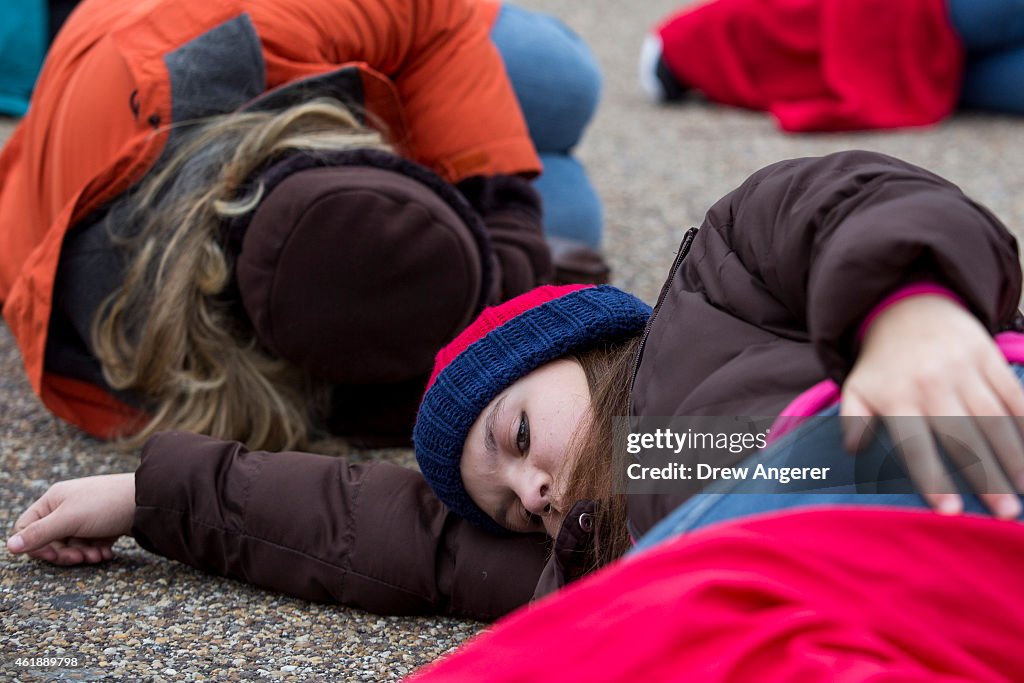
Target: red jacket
{"type": "Point", "coordinates": [847, 595]}
{"type": "Point", "coordinates": [122, 70]}
{"type": "Point", "coordinates": [821, 64]}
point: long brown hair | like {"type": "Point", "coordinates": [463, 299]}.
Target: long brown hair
{"type": "Point", "coordinates": [168, 333]}
{"type": "Point", "coordinates": [609, 370]}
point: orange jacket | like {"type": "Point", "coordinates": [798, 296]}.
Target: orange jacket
{"type": "Point", "coordinates": [98, 119]}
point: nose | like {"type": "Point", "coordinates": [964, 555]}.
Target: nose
{"type": "Point", "coordinates": [534, 490]}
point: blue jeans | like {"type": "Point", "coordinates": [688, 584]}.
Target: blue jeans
{"type": "Point", "coordinates": [557, 82]}
{"type": "Point", "coordinates": [993, 34]}
{"type": "Point", "coordinates": [814, 444]}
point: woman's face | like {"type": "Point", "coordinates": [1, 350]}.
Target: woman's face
{"type": "Point", "coordinates": [515, 460]}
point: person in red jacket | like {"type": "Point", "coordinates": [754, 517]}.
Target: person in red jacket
{"type": "Point", "coordinates": [847, 594]}
{"type": "Point", "coordinates": [853, 270]}
{"type": "Point", "coordinates": [820, 65]}
{"type": "Point", "coordinates": [210, 219]}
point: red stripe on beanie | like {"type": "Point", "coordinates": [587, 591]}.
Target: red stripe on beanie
{"type": "Point", "coordinates": [494, 317]}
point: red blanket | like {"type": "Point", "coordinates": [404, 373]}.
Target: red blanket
{"type": "Point", "coordinates": [821, 65]}
{"type": "Point", "coordinates": [863, 594]}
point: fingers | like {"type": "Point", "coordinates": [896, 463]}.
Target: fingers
{"type": "Point", "coordinates": [974, 460]}
{"type": "Point", "coordinates": [47, 553]}
{"type": "Point", "coordinates": [38, 543]}
{"type": "Point", "coordinates": [914, 443]}
{"type": "Point", "coordinates": [38, 533]}
{"type": "Point", "coordinates": [17, 543]}
{"type": "Point", "coordinates": [92, 552]}
{"type": "Point", "coordinates": [36, 511]}
{"type": "Point", "coordinates": [1002, 432]}
{"type": "Point", "coordinates": [993, 400]}
{"type": "Point", "coordinates": [980, 441]}
{"type": "Point", "coordinates": [64, 554]}
{"type": "Point", "coordinates": [953, 420]}
{"type": "Point", "coordinates": [42, 532]}
{"type": "Point", "coordinates": [76, 551]}
{"type": "Point", "coordinates": [1007, 390]}
{"type": "Point", "coordinates": [1006, 386]}
{"type": "Point", "coordinates": [856, 419]}
{"type": "Point", "coordinates": [76, 521]}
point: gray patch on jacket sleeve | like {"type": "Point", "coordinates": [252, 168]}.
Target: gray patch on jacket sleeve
{"type": "Point", "coordinates": [216, 72]}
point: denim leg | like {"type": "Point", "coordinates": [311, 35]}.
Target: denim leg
{"type": "Point", "coordinates": [558, 83]}
{"type": "Point", "coordinates": [710, 508]}
{"type": "Point", "coordinates": [815, 444]}
{"type": "Point", "coordinates": [572, 208]}
{"type": "Point", "coordinates": [995, 81]}
{"type": "Point", "coordinates": [993, 34]}
{"type": "Point", "coordinates": [554, 74]}
{"type": "Point", "coordinates": [985, 25]}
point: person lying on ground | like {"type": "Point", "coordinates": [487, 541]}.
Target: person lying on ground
{"type": "Point", "coordinates": [260, 219]}
{"type": "Point", "coordinates": [828, 65]}
{"type": "Point", "coordinates": [854, 271]}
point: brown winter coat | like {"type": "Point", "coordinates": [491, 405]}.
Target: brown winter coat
{"type": "Point", "coordinates": [761, 303]}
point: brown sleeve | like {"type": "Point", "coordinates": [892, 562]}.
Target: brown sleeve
{"type": "Point", "coordinates": [830, 237]}
{"type": "Point", "coordinates": [367, 535]}
{"type": "Point", "coordinates": [511, 213]}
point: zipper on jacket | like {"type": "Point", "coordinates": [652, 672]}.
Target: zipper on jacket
{"type": "Point", "coordinates": [684, 250]}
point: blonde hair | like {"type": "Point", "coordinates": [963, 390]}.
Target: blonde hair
{"type": "Point", "coordinates": [169, 333]}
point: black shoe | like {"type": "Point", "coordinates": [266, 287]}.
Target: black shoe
{"type": "Point", "coordinates": [656, 78]}
{"type": "Point", "coordinates": [670, 85]}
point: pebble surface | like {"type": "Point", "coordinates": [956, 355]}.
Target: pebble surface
{"type": "Point", "coordinates": [143, 618]}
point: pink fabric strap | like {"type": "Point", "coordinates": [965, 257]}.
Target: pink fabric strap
{"type": "Point", "coordinates": [811, 402]}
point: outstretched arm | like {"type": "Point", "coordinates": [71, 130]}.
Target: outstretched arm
{"type": "Point", "coordinates": [367, 535]}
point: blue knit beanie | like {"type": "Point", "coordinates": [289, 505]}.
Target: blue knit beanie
{"type": "Point", "coordinates": [503, 344]}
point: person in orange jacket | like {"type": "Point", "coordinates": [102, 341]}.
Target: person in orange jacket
{"type": "Point", "coordinates": [171, 208]}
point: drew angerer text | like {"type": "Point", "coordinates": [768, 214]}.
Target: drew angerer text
{"type": "Point", "coordinates": [703, 472]}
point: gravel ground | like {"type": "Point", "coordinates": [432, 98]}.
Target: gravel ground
{"type": "Point", "coordinates": [657, 168]}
